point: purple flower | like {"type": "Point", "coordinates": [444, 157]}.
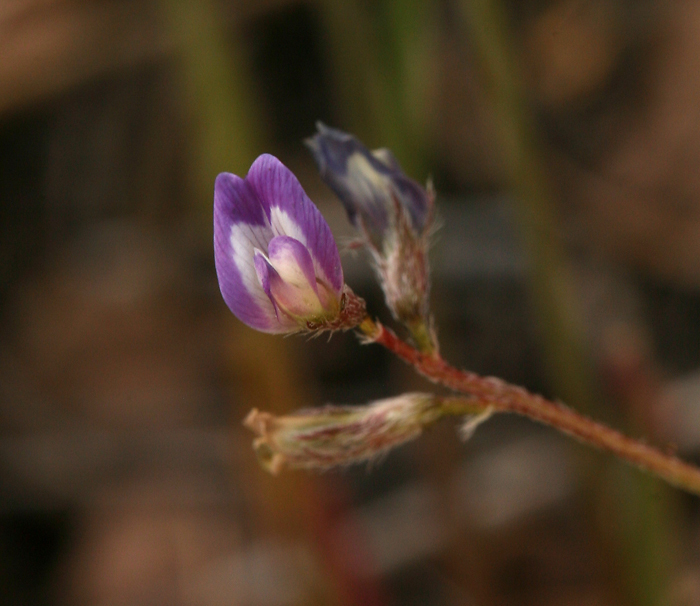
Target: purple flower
{"type": "Point", "coordinates": [277, 262]}
{"type": "Point", "coordinates": [370, 185]}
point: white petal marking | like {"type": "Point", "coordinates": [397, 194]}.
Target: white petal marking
{"type": "Point", "coordinates": [284, 225]}
{"type": "Point", "coordinates": [244, 239]}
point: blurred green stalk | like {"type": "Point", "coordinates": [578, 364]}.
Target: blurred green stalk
{"type": "Point", "coordinates": [219, 95]}
{"type": "Point", "coordinates": [382, 58]}
{"type": "Point", "coordinates": [640, 527]}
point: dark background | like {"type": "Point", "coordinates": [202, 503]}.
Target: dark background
{"type": "Point", "coordinates": [125, 474]}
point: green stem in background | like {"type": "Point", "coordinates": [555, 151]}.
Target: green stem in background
{"type": "Point", "coordinates": [641, 529]}
{"type": "Point", "coordinates": [218, 93]}
{"type": "Point", "coordinates": [551, 282]}
{"type": "Point", "coordinates": [383, 57]}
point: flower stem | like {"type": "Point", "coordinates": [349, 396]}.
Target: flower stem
{"type": "Point", "coordinates": [504, 397]}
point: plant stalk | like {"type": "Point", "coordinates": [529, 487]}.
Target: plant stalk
{"type": "Point", "coordinates": [504, 397]}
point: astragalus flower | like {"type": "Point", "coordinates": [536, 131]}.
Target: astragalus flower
{"type": "Point", "coordinates": [277, 262]}
{"type": "Point", "coordinates": [393, 215]}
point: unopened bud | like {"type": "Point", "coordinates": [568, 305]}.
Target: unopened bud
{"type": "Point", "coordinates": [394, 216]}
{"type": "Point", "coordinates": [340, 435]}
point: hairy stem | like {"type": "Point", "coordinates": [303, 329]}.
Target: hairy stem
{"type": "Point", "coordinates": [503, 397]}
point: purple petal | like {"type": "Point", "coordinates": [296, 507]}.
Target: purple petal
{"type": "Point", "coordinates": [292, 261]}
{"type": "Point", "coordinates": [292, 213]}
{"type": "Point", "coordinates": [293, 300]}
{"type": "Point", "coordinates": [332, 149]}
{"type": "Point", "coordinates": [237, 200]}
{"type": "Point", "coordinates": [240, 225]}
{"type": "Point", "coordinates": [268, 276]}
{"type": "Point", "coordinates": [366, 181]}
{"type": "Point", "coordinates": [385, 156]}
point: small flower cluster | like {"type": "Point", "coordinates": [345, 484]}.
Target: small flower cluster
{"type": "Point", "coordinates": [394, 216]}
{"type": "Point", "coordinates": [279, 272]}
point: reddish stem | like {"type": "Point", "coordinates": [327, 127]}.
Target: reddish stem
{"type": "Point", "coordinates": [504, 397]}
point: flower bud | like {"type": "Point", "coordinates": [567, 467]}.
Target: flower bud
{"type": "Point", "coordinates": [394, 216]}
{"type": "Point", "coordinates": [340, 435]}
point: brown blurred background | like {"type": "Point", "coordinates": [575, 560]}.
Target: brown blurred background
{"type": "Point", "coordinates": [125, 474]}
